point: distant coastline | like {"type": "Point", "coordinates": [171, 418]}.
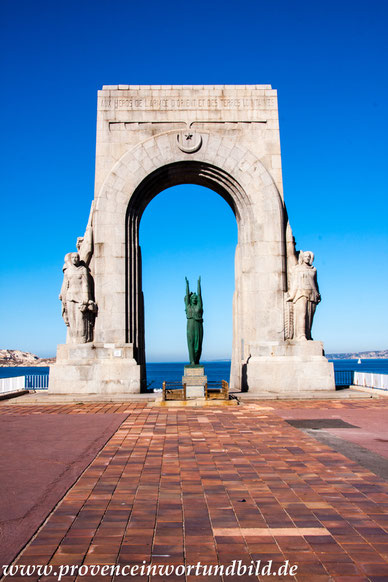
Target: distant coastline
{"type": "Point", "coordinates": [371, 355]}
{"type": "Point", "coordinates": [17, 358]}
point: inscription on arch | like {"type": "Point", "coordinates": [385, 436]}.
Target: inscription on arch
{"type": "Point", "coordinates": [165, 104]}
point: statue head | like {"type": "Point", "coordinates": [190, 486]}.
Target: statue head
{"type": "Point", "coordinates": [193, 299]}
{"type": "Point", "coordinates": [74, 259]}
{"type": "Point", "coordinates": [71, 260]}
{"type": "Point", "coordinates": [306, 257]}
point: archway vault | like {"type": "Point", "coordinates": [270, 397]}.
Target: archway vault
{"type": "Point", "coordinates": [227, 139]}
{"type": "Point", "coordinates": [188, 172]}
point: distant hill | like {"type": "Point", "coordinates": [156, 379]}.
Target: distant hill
{"type": "Point", "coordinates": [18, 358]}
{"type": "Point", "coordinates": [377, 354]}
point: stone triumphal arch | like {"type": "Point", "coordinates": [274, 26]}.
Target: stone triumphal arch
{"type": "Point", "coordinates": [148, 139]}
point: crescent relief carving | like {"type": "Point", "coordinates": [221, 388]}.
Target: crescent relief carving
{"type": "Point", "coordinates": [189, 141]}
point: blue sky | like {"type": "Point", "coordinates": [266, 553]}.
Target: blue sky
{"type": "Point", "coordinates": [328, 62]}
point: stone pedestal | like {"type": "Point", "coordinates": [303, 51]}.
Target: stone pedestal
{"type": "Point", "coordinates": [195, 380]}
{"type": "Point", "coordinates": [289, 367]}
{"type": "Point", "coordinates": [95, 368]}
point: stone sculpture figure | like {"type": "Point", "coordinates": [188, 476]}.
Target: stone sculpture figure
{"type": "Point", "coordinates": [194, 313]}
{"type": "Point", "coordinates": [78, 307]}
{"type": "Point", "coordinates": [304, 294]}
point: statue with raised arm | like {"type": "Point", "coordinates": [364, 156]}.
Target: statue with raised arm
{"type": "Point", "coordinates": [78, 307]}
{"type": "Point", "coordinates": [194, 313]}
{"type": "Point", "coordinates": [304, 294]}
{"type": "Point", "coordinates": [85, 243]}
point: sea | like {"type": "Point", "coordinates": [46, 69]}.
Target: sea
{"type": "Point", "coordinates": [215, 371]}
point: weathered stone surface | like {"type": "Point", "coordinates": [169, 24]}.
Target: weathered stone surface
{"type": "Point", "coordinates": [225, 137]}
{"type": "Point", "coordinates": [289, 366]}
{"type": "Point", "coordinates": [195, 380]}
{"type": "Point", "coordinates": [95, 368]}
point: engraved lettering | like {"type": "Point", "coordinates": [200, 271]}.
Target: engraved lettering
{"type": "Point", "coordinates": [155, 104]}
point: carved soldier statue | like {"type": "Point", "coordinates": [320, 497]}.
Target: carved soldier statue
{"type": "Point", "coordinates": [304, 294]}
{"type": "Point", "coordinates": [78, 307]}
{"type": "Point", "coordinates": [77, 294]}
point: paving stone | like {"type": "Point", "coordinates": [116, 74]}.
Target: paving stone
{"type": "Point", "coordinates": [214, 485]}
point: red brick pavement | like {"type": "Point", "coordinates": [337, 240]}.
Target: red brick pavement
{"type": "Point", "coordinates": [182, 485]}
{"type": "Point", "coordinates": [41, 456]}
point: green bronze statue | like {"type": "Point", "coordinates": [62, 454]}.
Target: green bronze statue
{"type": "Point", "coordinates": [194, 313]}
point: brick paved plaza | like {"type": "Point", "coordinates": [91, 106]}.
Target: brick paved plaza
{"type": "Point", "coordinates": [182, 485]}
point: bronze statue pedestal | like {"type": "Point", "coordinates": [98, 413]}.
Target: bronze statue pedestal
{"type": "Point", "coordinates": [195, 380]}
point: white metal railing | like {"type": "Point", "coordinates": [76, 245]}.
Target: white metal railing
{"type": "Point", "coordinates": [369, 380]}
{"type": "Point", "coordinates": [29, 382]}
{"type": "Point", "coordinates": [12, 384]}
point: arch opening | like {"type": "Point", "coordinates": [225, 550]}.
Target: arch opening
{"type": "Point", "coordinates": [187, 230]}
{"type": "Point", "coordinates": [177, 174]}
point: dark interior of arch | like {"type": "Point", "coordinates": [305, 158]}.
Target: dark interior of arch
{"type": "Point", "coordinates": [189, 172]}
